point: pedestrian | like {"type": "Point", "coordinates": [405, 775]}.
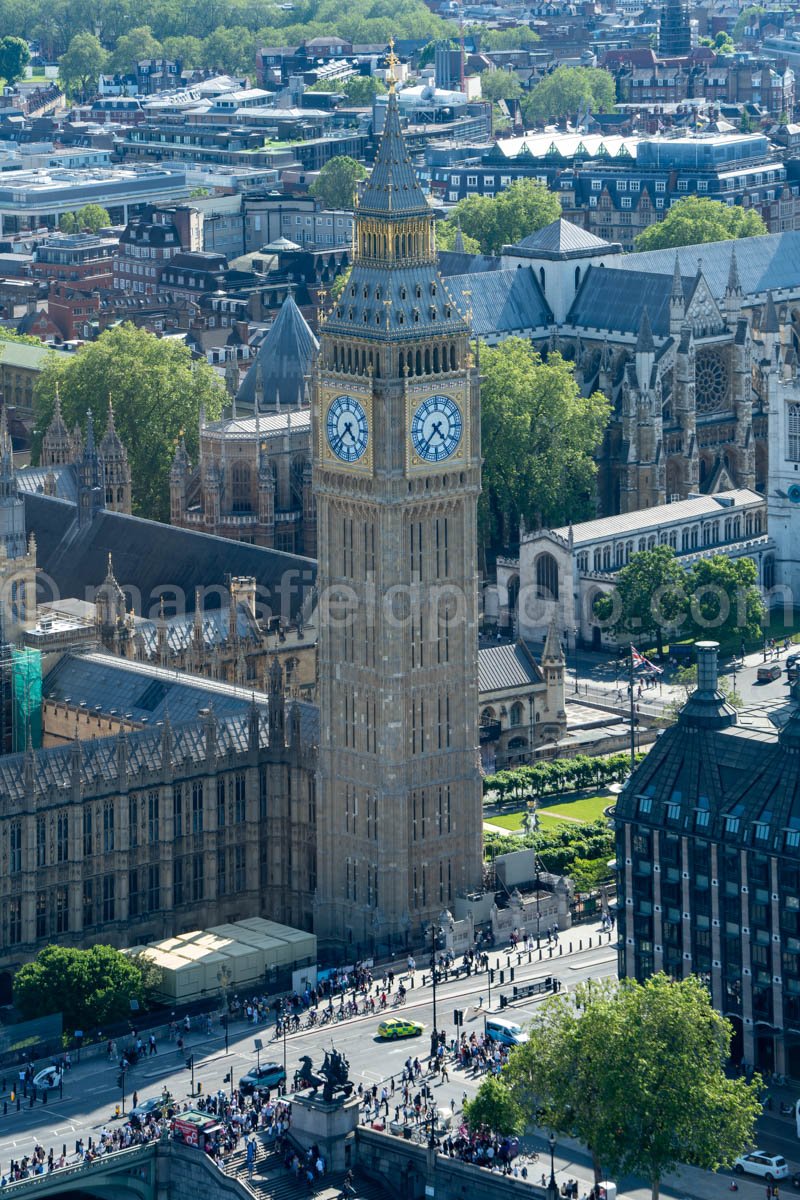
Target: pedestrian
{"type": "Point", "coordinates": [152, 1042]}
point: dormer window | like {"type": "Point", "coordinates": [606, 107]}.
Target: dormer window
{"type": "Point", "coordinates": [419, 292]}
{"type": "Point", "coordinates": [433, 289]}
{"type": "Point", "coordinates": [402, 293]}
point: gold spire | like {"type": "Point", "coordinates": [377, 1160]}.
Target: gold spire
{"type": "Point", "coordinates": [392, 60]}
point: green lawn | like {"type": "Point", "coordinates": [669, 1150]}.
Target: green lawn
{"type": "Point", "coordinates": [508, 820]}
{"type": "Point", "coordinates": [585, 810]}
{"type": "Point", "coordinates": [590, 808]}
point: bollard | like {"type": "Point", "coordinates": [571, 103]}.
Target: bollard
{"type": "Point", "coordinates": [540, 954]}
{"type": "Point", "coordinates": [508, 960]}
{"type": "Point", "coordinates": [18, 1103]}
{"type": "Point", "coordinates": [530, 952]}
{"type": "Point", "coordinates": [570, 948]}
{"type": "Point", "coordinates": [5, 1108]}
{"type": "Point", "coordinates": [580, 944]}
{"type": "Point", "coordinates": [199, 1088]}
{"type": "Point", "coordinates": [44, 1096]}
{"type": "Point", "coordinates": [590, 943]}
{"type": "Point", "coordinates": [560, 949]}
{"type": "Point", "coordinates": [549, 951]}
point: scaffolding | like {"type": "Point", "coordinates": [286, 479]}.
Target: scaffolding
{"type": "Point", "coordinates": [26, 677]}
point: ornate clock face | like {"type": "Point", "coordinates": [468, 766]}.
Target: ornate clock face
{"type": "Point", "coordinates": [436, 428]}
{"type": "Point", "coordinates": [347, 429]}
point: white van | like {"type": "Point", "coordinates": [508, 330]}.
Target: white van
{"type": "Point", "coordinates": [507, 1032]}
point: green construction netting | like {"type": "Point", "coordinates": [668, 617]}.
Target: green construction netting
{"type": "Point", "coordinates": [26, 675]}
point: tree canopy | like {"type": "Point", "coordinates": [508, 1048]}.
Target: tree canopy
{"type": "Point", "coordinates": [359, 89]}
{"type": "Point", "coordinates": [697, 219]}
{"type": "Point", "coordinates": [133, 47]}
{"type": "Point", "coordinates": [157, 390]}
{"type": "Point", "coordinates": [82, 65]}
{"type": "Point", "coordinates": [747, 17]}
{"type": "Point", "coordinates": [538, 438]}
{"type": "Point", "coordinates": [89, 987]}
{"type": "Point", "coordinates": [446, 232]}
{"type": "Point", "coordinates": [637, 1073]}
{"type": "Point", "coordinates": [650, 600]}
{"type": "Point", "coordinates": [54, 22]}
{"type": "Point", "coordinates": [14, 58]}
{"type": "Point", "coordinates": [518, 210]}
{"type": "Point", "coordinates": [568, 90]}
{"type": "Point", "coordinates": [92, 217]}
{"type": "Point", "coordinates": [500, 85]}
{"type": "Point", "coordinates": [336, 183]}
{"type": "Point", "coordinates": [656, 598]}
{"type": "Point", "coordinates": [521, 37]}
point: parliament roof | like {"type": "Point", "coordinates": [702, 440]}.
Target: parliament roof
{"type": "Point", "coordinates": [502, 302]}
{"type": "Point", "coordinates": [509, 665]}
{"type": "Point", "coordinates": [142, 691]}
{"type": "Point", "coordinates": [283, 360]}
{"type": "Point", "coordinates": [151, 559]}
{"type": "Point", "coordinates": [771, 261]}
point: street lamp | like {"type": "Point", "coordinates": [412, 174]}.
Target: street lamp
{"type": "Point", "coordinates": [435, 1030]}
{"type": "Point", "coordinates": [577, 634]}
{"type": "Point", "coordinates": [552, 1187]}
{"type": "Point", "coordinates": [532, 830]}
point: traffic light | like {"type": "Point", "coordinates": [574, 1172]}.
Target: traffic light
{"type": "Point", "coordinates": [491, 974]}
{"type": "Point", "coordinates": [458, 1017]}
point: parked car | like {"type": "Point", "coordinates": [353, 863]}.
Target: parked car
{"type": "Point", "coordinates": [265, 1076]}
{"type": "Point", "coordinates": [768, 1166]}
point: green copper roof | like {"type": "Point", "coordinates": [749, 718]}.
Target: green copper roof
{"type": "Point", "coordinates": [392, 188]}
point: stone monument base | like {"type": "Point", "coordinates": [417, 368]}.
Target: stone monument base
{"type": "Point", "coordinates": [330, 1125]}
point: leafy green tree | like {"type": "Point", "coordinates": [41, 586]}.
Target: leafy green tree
{"type": "Point", "coordinates": [89, 987]}
{"type": "Point", "coordinates": [724, 600]}
{"type": "Point", "coordinates": [362, 89]}
{"type": "Point", "coordinates": [232, 50]}
{"type": "Point", "coordinates": [520, 209]}
{"type": "Point", "coordinates": [567, 91]}
{"type": "Point", "coordinates": [133, 47]}
{"type": "Point", "coordinates": [697, 219]}
{"type": "Point", "coordinates": [336, 183]}
{"type": "Point", "coordinates": [152, 976]}
{"type": "Point", "coordinates": [446, 232]}
{"type": "Point", "coordinates": [495, 1109]}
{"type": "Point", "coordinates": [186, 50]}
{"type": "Point", "coordinates": [745, 19]}
{"type": "Point", "coordinates": [521, 37]}
{"type": "Point", "coordinates": [650, 597]}
{"type": "Point", "coordinates": [340, 283]}
{"type": "Point", "coordinates": [92, 217]}
{"type": "Point", "coordinates": [158, 391]}
{"type": "Point", "coordinates": [637, 1073]}
{"type": "Point", "coordinates": [500, 85]}
{"type": "Point", "coordinates": [14, 58]}
{"type": "Point", "coordinates": [82, 65]}
{"type": "Point", "coordinates": [538, 438]}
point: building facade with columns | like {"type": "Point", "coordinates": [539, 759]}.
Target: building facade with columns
{"type": "Point", "coordinates": [708, 866]}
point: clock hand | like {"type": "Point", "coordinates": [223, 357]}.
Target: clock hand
{"type": "Point", "coordinates": [348, 428]}
{"type": "Point", "coordinates": [436, 429]}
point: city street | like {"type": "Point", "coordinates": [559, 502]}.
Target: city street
{"type": "Point", "coordinates": [91, 1092]}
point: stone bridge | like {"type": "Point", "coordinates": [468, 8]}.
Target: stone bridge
{"type": "Point", "coordinates": [155, 1171]}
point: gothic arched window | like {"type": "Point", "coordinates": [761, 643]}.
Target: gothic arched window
{"type": "Point", "coordinates": [793, 432]}
{"type": "Point", "coordinates": [546, 577]}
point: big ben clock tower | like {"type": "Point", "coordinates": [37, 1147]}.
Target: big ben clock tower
{"type": "Point", "coordinates": [396, 429]}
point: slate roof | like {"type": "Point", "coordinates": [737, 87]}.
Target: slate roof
{"type": "Point", "coordinates": [97, 760]}
{"type": "Point", "coordinates": [588, 532]}
{"type": "Point", "coordinates": [151, 559]}
{"type": "Point", "coordinates": [141, 691]}
{"type": "Point", "coordinates": [283, 360]}
{"type": "Point", "coordinates": [561, 239]}
{"type": "Point", "coordinates": [506, 666]}
{"type": "Point", "coordinates": [614, 300]}
{"type": "Point", "coordinates": [771, 261]}
{"type": "Point", "coordinates": [392, 186]}
{"type": "Point", "coordinates": [502, 302]}
{"type": "Point", "coordinates": [434, 310]}
{"type": "Point", "coordinates": [733, 772]}
{"type": "Point", "coordinates": [269, 424]}
{"type": "Point", "coordinates": [461, 262]}
{"type": "Point", "coordinates": [32, 479]}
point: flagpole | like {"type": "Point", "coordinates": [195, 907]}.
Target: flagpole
{"type": "Point", "coordinates": [633, 727]}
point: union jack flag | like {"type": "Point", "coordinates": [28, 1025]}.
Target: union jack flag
{"type": "Point", "coordinates": [639, 660]}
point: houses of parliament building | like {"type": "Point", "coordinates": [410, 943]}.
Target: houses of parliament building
{"type": "Point", "coordinates": [359, 817]}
